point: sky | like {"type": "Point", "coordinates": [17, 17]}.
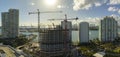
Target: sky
{"type": "Point", "coordinates": [85, 10]}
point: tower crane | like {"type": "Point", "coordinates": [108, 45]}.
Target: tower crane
{"type": "Point", "coordinates": [66, 20]}
{"type": "Point", "coordinates": [66, 29]}
{"type": "Point", "coordinates": [39, 13]}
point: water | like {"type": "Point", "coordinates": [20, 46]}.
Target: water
{"type": "Point", "coordinates": [75, 34]}
{"type": "Point", "coordinates": [29, 33]}
{"type": "Point", "coordinates": [92, 35]}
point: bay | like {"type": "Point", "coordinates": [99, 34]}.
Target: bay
{"type": "Point", "coordinates": [75, 35]}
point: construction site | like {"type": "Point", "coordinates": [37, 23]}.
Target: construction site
{"type": "Point", "coordinates": [56, 41]}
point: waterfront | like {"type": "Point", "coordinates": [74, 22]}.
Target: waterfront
{"type": "Point", "coordinates": [92, 35]}
{"type": "Point", "coordinates": [75, 34]}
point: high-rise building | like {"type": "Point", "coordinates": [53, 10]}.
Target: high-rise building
{"type": "Point", "coordinates": [10, 23]}
{"type": "Point", "coordinates": [108, 29]}
{"type": "Point", "coordinates": [84, 32]}
{"type": "Point", "coordinates": [67, 25]}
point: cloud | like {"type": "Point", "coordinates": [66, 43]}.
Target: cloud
{"type": "Point", "coordinates": [119, 11]}
{"type": "Point", "coordinates": [61, 6]}
{"type": "Point", "coordinates": [114, 2]}
{"type": "Point", "coordinates": [87, 4]}
{"type": "Point", "coordinates": [32, 4]}
{"type": "Point", "coordinates": [112, 9]}
{"type": "Point", "coordinates": [117, 18]}
{"type": "Point", "coordinates": [114, 15]}
{"type": "Point", "coordinates": [91, 20]}
{"type": "Point", "coordinates": [98, 4]}
{"type": "Point", "coordinates": [96, 20]}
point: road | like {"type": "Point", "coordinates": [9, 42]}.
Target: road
{"type": "Point", "coordinates": [9, 52]}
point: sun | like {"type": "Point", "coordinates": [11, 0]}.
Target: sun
{"type": "Point", "coordinates": [50, 2]}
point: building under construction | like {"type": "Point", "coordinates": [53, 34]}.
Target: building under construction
{"type": "Point", "coordinates": [55, 42]}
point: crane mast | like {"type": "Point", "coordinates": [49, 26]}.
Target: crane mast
{"type": "Point", "coordinates": [66, 31]}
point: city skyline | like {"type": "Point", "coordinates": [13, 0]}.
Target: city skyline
{"type": "Point", "coordinates": [83, 9]}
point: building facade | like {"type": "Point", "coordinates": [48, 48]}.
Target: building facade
{"type": "Point", "coordinates": [84, 32]}
{"type": "Point", "coordinates": [68, 26]}
{"type": "Point", "coordinates": [53, 43]}
{"type": "Point", "coordinates": [10, 23]}
{"type": "Point", "coordinates": [108, 29]}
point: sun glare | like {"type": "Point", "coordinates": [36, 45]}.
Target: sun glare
{"type": "Point", "coordinates": [50, 2]}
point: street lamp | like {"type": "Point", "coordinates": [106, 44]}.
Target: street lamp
{"type": "Point", "coordinates": [38, 13]}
